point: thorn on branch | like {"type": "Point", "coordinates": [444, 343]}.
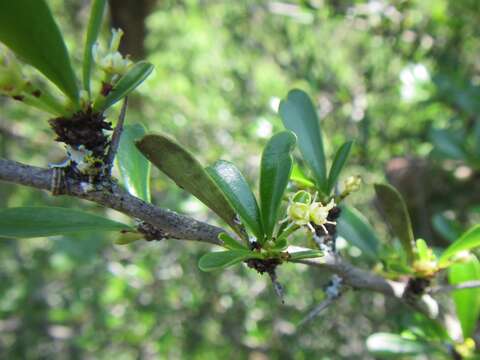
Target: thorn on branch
{"type": "Point", "coordinates": [268, 266]}
{"type": "Point", "coordinates": [115, 142]}
{"type": "Point", "coordinates": [277, 286]}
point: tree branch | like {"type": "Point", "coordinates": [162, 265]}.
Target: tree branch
{"type": "Point", "coordinates": [173, 225]}
{"type": "Point", "coordinates": [176, 226]}
{"type": "Point", "coordinates": [448, 288]}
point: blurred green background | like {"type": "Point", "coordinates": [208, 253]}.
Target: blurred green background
{"type": "Point", "coordinates": [402, 78]}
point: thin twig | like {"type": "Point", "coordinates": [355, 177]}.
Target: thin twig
{"type": "Point", "coordinates": [333, 291]}
{"type": "Point", "coordinates": [117, 133]}
{"type": "Point", "coordinates": [448, 288]}
{"type": "Point", "coordinates": [277, 286]}
{"type": "Point", "coordinates": [316, 311]}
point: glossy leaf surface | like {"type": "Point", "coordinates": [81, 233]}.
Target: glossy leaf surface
{"type": "Point", "coordinates": [467, 301]}
{"type": "Point", "coordinates": [27, 27]}
{"type": "Point", "coordinates": [275, 171]}
{"type": "Point", "coordinates": [134, 167]}
{"type": "Point", "coordinates": [238, 192]}
{"type": "Point", "coordinates": [338, 163]}
{"type": "Point", "coordinates": [94, 26]}
{"type": "Point", "coordinates": [307, 254]}
{"type": "Point", "coordinates": [222, 259]}
{"type": "Point", "coordinates": [38, 221]}
{"type": "Point", "coordinates": [468, 241]}
{"type": "Point", "coordinates": [182, 167]}
{"type": "Point", "coordinates": [299, 115]}
{"type": "Point", "coordinates": [127, 83]}
{"type": "Point", "coordinates": [300, 178]}
{"type": "Point", "coordinates": [231, 243]}
{"type": "Point", "coordinates": [385, 344]}
{"type": "Point", "coordinates": [355, 228]}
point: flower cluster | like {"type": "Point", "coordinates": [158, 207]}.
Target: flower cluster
{"type": "Point", "coordinates": [303, 211]}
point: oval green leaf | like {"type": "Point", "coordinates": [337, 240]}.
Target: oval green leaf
{"type": "Point", "coordinates": [234, 186]}
{"type": "Point", "coordinates": [94, 25]}
{"type": "Point", "coordinates": [338, 163]}
{"type": "Point", "coordinates": [134, 167]}
{"type": "Point", "coordinates": [355, 228]}
{"type": "Point", "coordinates": [222, 259]}
{"type": "Point", "coordinates": [182, 167]}
{"type": "Point", "coordinates": [127, 83]}
{"type": "Point", "coordinates": [276, 167]}
{"type": "Point", "coordinates": [385, 344]}
{"type": "Point", "coordinates": [467, 301]}
{"type": "Point", "coordinates": [37, 221]}
{"type": "Point", "coordinates": [298, 177]}
{"type": "Point", "coordinates": [468, 241]}
{"type": "Point", "coordinates": [396, 214]}
{"type": "Point", "coordinates": [307, 254]}
{"type": "Point", "coordinates": [298, 115]}
{"type": "Point", "coordinates": [231, 243]}
{"type": "Point", "coordinates": [27, 27]}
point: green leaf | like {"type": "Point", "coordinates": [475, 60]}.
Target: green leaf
{"type": "Point", "coordinates": [448, 229]}
{"type": "Point", "coordinates": [274, 175]}
{"type": "Point", "coordinates": [37, 221]}
{"type": "Point", "coordinates": [134, 167]}
{"type": "Point", "coordinates": [235, 188]}
{"type": "Point", "coordinates": [127, 83]}
{"type": "Point", "coordinates": [396, 214]}
{"type": "Point", "coordinates": [385, 344]}
{"type": "Point", "coordinates": [222, 259]}
{"type": "Point", "coordinates": [355, 228]}
{"type": "Point", "coordinates": [307, 254]}
{"type": "Point", "coordinates": [180, 166]}
{"type": "Point", "coordinates": [27, 27]}
{"type": "Point", "coordinates": [338, 163]}
{"type": "Point", "coordinates": [231, 243]}
{"type": "Point", "coordinates": [467, 301]}
{"type": "Point", "coordinates": [468, 241]}
{"type": "Point", "coordinates": [129, 237]}
{"type": "Point", "coordinates": [94, 25]}
{"type": "Point", "coordinates": [423, 251]}
{"type": "Point", "coordinates": [300, 178]}
{"type": "Point", "coordinates": [280, 244]}
{"type": "Point", "coordinates": [298, 115]}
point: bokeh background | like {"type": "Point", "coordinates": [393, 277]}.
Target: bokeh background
{"type": "Point", "coordinates": [402, 78]}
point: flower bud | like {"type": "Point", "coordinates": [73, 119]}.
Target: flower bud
{"type": "Point", "coordinates": [299, 213]}
{"type": "Point", "coordinates": [352, 184]}
{"type": "Point", "coordinates": [302, 197]}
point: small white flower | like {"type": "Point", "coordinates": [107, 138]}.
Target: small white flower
{"type": "Point", "coordinates": [111, 61]}
{"type": "Point", "coordinates": [302, 211]}
{"type": "Point", "coordinates": [319, 214]}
